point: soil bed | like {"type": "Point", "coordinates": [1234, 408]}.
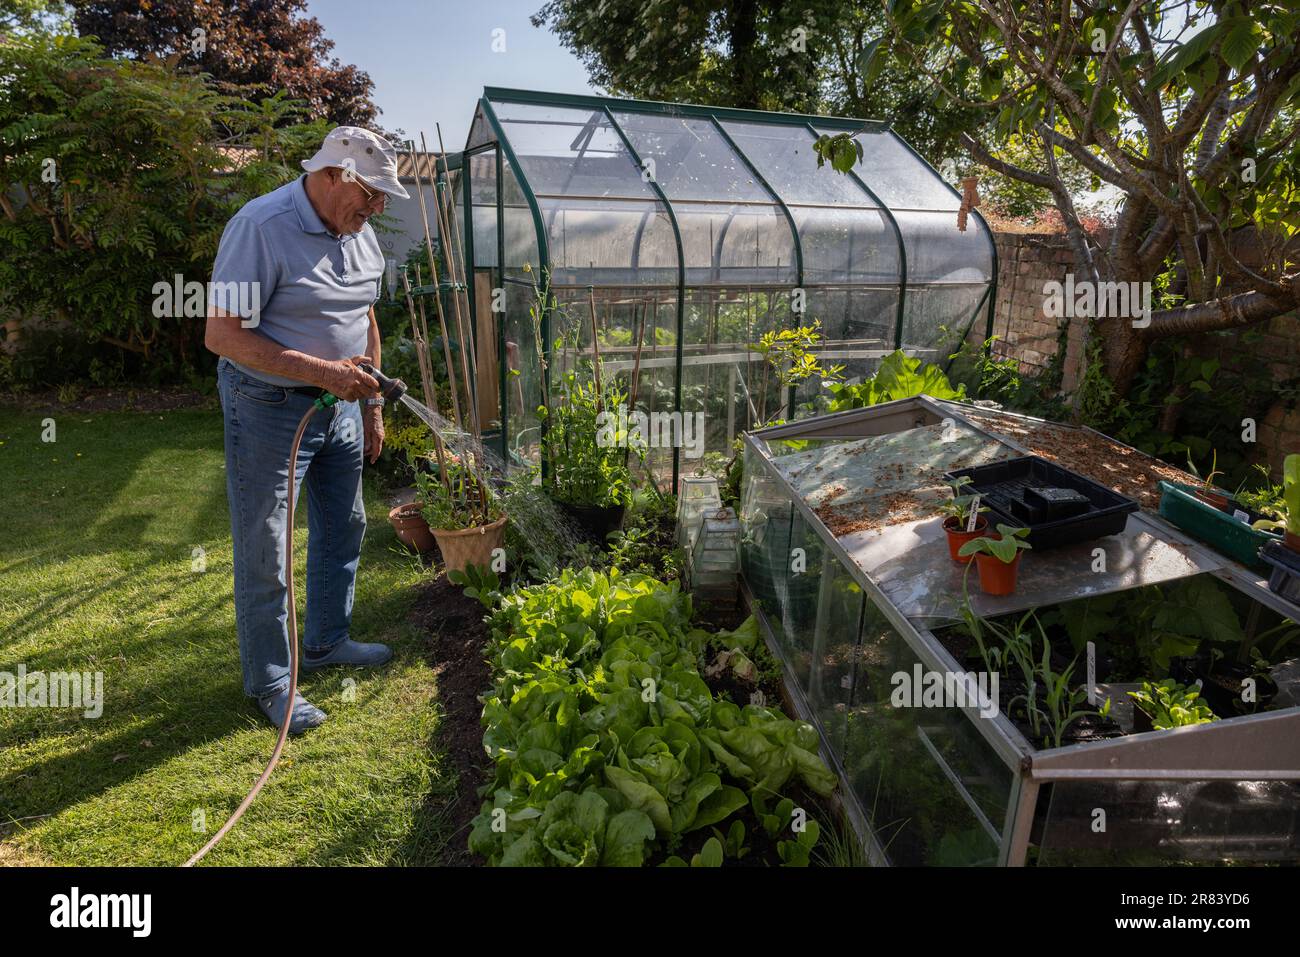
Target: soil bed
{"type": "Point", "coordinates": [1118, 467]}
{"type": "Point", "coordinates": [456, 638]}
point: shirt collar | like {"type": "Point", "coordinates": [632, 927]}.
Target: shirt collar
{"type": "Point", "coordinates": [307, 215]}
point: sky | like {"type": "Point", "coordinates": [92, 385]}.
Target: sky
{"type": "Point", "coordinates": [430, 59]}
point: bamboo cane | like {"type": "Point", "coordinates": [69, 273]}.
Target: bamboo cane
{"type": "Point", "coordinates": [595, 347]}
{"type": "Point", "coordinates": [430, 393]}
{"type": "Point", "coordinates": [450, 244]}
{"type": "Point", "coordinates": [635, 381]}
{"type": "Point", "coordinates": [433, 268]}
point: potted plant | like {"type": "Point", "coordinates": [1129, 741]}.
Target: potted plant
{"type": "Point", "coordinates": [585, 450]}
{"type": "Point", "coordinates": [463, 513]}
{"type": "Point", "coordinates": [958, 512]}
{"type": "Point", "coordinates": [998, 559]}
{"type": "Point", "coordinates": [1207, 493]}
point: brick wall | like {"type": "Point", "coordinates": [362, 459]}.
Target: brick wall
{"type": "Point", "coordinates": [1027, 261]}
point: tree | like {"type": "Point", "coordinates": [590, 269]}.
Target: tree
{"type": "Point", "coordinates": [119, 175]}
{"type": "Point", "coordinates": [1189, 110]}
{"type": "Point", "coordinates": [754, 54]}
{"type": "Point", "coordinates": [264, 43]}
{"type": "Point", "coordinates": [25, 15]}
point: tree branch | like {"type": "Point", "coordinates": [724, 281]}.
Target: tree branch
{"type": "Point", "coordinates": [1229, 312]}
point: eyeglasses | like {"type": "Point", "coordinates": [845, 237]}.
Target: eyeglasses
{"type": "Point", "coordinates": [371, 194]}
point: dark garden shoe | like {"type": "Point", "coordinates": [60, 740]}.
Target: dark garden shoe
{"type": "Point", "coordinates": [358, 654]}
{"type": "Point", "coordinates": [305, 714]}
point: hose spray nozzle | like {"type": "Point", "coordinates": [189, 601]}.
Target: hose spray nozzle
{"type": "Point", "coordinates": [390, 389]}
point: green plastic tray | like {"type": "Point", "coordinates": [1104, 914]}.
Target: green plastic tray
{"type": "Point", "coordinates": [1219, 530]}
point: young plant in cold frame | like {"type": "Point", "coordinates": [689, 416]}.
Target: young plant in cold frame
{"type": "Point", "coordinates": [959, 506]}
{"type": "Point", "coordinates": [1004, 549]}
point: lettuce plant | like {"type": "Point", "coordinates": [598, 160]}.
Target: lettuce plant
{"type": "Point", "coordinates": [598, 704]}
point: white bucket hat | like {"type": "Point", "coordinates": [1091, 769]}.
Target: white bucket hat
{"type": "Point", "coordinates": [369, 156]}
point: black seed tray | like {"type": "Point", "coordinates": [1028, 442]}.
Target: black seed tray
{"type": "Point", "coordinates": [1002, 487]}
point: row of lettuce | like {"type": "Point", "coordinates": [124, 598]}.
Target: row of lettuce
{"type": "Point", "coordinates": [609, 747]}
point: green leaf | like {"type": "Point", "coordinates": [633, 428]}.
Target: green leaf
{"type": "Point", "coordinates": [642, 797]}
{"type": "Point", "coordinates": [719, 806]}
{"type": "Point", "coordinates": [710, 854]}
{"type": "Point", "coordinates": [625, 839]}
{"type": "Point", "coordinates": [1241, 42]}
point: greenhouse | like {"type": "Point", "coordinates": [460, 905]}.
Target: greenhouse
{"type": "Point", "coordinates": [666, 239]}
{"type": "Point", "coordinates": [871, 598]}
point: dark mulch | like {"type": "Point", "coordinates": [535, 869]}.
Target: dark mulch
{"type": "Point", "coordinates": [112, 400]}
{"type": "Point", "coordinates": [456, 637]}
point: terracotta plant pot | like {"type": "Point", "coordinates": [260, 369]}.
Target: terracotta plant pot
{"type": "Point", "coordinates": [996, 576]}
{"type": "Point", "coordinates": [1215, 499]}
{"type": "Point", "coordinates": [462, 547]}
{"type": "Point", "coordinates": [1291, 540]}
{"type": "Point", "coordinates": [411, 528]}
{"type": "Point", "coordinates": [958, 536]}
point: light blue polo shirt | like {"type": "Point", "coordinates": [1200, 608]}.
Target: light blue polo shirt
{"type": "Point", "coordinates": [314, 290]}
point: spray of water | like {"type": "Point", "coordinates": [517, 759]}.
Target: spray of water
{"type": "Point", "coordinates": [552, 540]}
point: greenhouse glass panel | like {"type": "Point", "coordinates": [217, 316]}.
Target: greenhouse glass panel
{"type": "Point", "coordinates": [898, 176]}
{"type": "Point", "coordinates": [480, 131]}
{"type": "Point", "coordinates": [938, 252]}
{"type": "Point", "coordinates": [520, 230]}
{"type": "Point", "coordinates": [1158, 823]}
{"type": "Point", "coordinates": [834, 651]}
{"type": "Point", "coordinates": [524, 373]}
{"type": "Point", "coordinates": [933, 790]}
{"type": "Point", "coordinates": [571, 152]}
{"type": "Point", "coordinates": [689, 159]}
{"type": "Point", "coordinates": [735, 244]}
{"type": "Point", "coordinates": [483, 194]}
{"type": "Point", "coordinates": [937, 318]}
{"type": "Point", "coordinates": [783, 155]}
{"type": "Point", "coordinates": [607, 242]}
{"type": "Point", "coordinates": [847, 245]}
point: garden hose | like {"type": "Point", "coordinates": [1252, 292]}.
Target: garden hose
{"type": "Point", "coordinates": [324, 402]}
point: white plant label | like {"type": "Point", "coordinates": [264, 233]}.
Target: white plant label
{"type": "Point", "coordinates": [1092, 674]}
{"type": "Point", "coordinates": [974, 515]}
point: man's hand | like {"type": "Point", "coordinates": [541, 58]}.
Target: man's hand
{"type": "Point", "coordinates": [346, 381]}
{"type": "Point", "coordinates": [372, 419]}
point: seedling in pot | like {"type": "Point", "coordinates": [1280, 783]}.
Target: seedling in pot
{"type": "Point", "coordinates": [998, 558]}
{"type": "Point", "coordinates": [962, 521]}
{"type": "Point", "coordinates": [1207, 493]}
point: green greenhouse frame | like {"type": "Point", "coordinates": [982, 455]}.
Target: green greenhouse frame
{"type": "Point", "coordinates": [693, 230]}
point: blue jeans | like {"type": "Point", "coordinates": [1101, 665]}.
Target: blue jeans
{"type": "Point", "coordinates": [260, 423]}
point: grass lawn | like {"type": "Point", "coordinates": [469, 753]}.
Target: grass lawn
{"type": "Point", "coordinates": [96, 574]}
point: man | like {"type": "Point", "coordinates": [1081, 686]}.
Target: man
{"type": "Point", "coordinates": [307, 261]}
